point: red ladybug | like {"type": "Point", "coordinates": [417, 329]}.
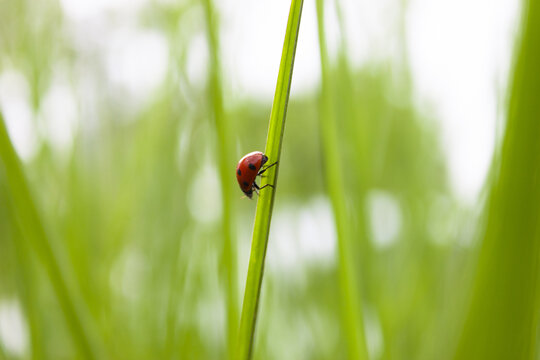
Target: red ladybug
{"type": "Point", "coordinates": [247, 170]}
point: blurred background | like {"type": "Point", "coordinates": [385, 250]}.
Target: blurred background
{"type": "Point", "coordinates": [130, 157]}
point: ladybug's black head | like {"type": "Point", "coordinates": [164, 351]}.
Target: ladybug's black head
{"type": "Point", "coordinates": [264, 160]}
{"type": "Point", "coordinates": [249, 193]}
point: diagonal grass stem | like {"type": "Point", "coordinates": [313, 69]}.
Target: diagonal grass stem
{"type": "Point", "coordinates": [265, 204]}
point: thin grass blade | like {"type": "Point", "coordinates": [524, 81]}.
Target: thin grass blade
{"type": "Point", "coordinates": [265, 204]}
{"type": "Point", "coordinates": [351, 308]}
{"type": "Point", "coordinates": [33, 231]}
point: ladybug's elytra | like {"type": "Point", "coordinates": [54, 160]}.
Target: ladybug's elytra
{"type": "Point", "coordinates": [247, 170]}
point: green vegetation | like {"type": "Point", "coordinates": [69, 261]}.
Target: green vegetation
{"type": "Point", "coordinates": [224, 138]}
{"type": "Point", "coordinates": [265, 205]}
{"type": "Point", "coordinates": [131, 239]}
{"type": "Point", "coordinates": [505, 302]}
{"type": "Point", "coordinates": [32, 230]}
{"type": "Point", "coordinates": [351, 308]}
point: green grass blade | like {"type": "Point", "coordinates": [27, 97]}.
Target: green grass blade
{"type": "Point", "coordinates": [351, 302]}
{"type": "Point", "coordinates": [265, 204]}
{"type": "Point", "coordinates": [2, 352]}
{"type": "Point", "coordinates": [224, 146]}
{"type": "Point", "coordinates": [33, 230]}
{"type": "Point", "coordinates": [503, 317]}
{"type": "Point", "coordinates": [27, 292]}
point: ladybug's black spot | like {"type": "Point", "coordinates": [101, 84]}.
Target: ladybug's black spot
{"type": "Point", "coordinates": [245, 184]}
{"type": "Point", "coordinates": [239, 172]}
{"type": "Point", "coordinates": [252, 167]}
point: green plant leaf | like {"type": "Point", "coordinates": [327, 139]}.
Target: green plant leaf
{"type": "Point", "coordinates": [351, 308]}
{"type": "Point", "coordinates": [503, 316]}
{"type": "Point", "coordinates": [265, 204]}
{"type": "Point", "coordinates": [224, 146]}
{"type": "Point", "coordinates": [29, 219]}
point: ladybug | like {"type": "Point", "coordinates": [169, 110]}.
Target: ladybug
{"type": "Point", "coordinates": [248, 168]}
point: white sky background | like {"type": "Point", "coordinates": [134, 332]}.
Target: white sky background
{"type": "Point", "coordinates": [459, 53]}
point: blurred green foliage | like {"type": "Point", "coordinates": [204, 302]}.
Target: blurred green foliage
{"type": "Point", "coordinates": [115, 248]}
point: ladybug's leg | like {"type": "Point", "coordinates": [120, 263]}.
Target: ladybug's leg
{"type": "Point", "coordinates": [257, 188]}
{"type": "Point", "coordinates": [261, 187]}
{"type": "Point", "coordinates": [266, 168]}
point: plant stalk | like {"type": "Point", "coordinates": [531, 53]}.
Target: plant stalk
{"type": "Point", "coordinates": [351, 307]}
{"type": "Point", "coordinates": [265, 204]}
